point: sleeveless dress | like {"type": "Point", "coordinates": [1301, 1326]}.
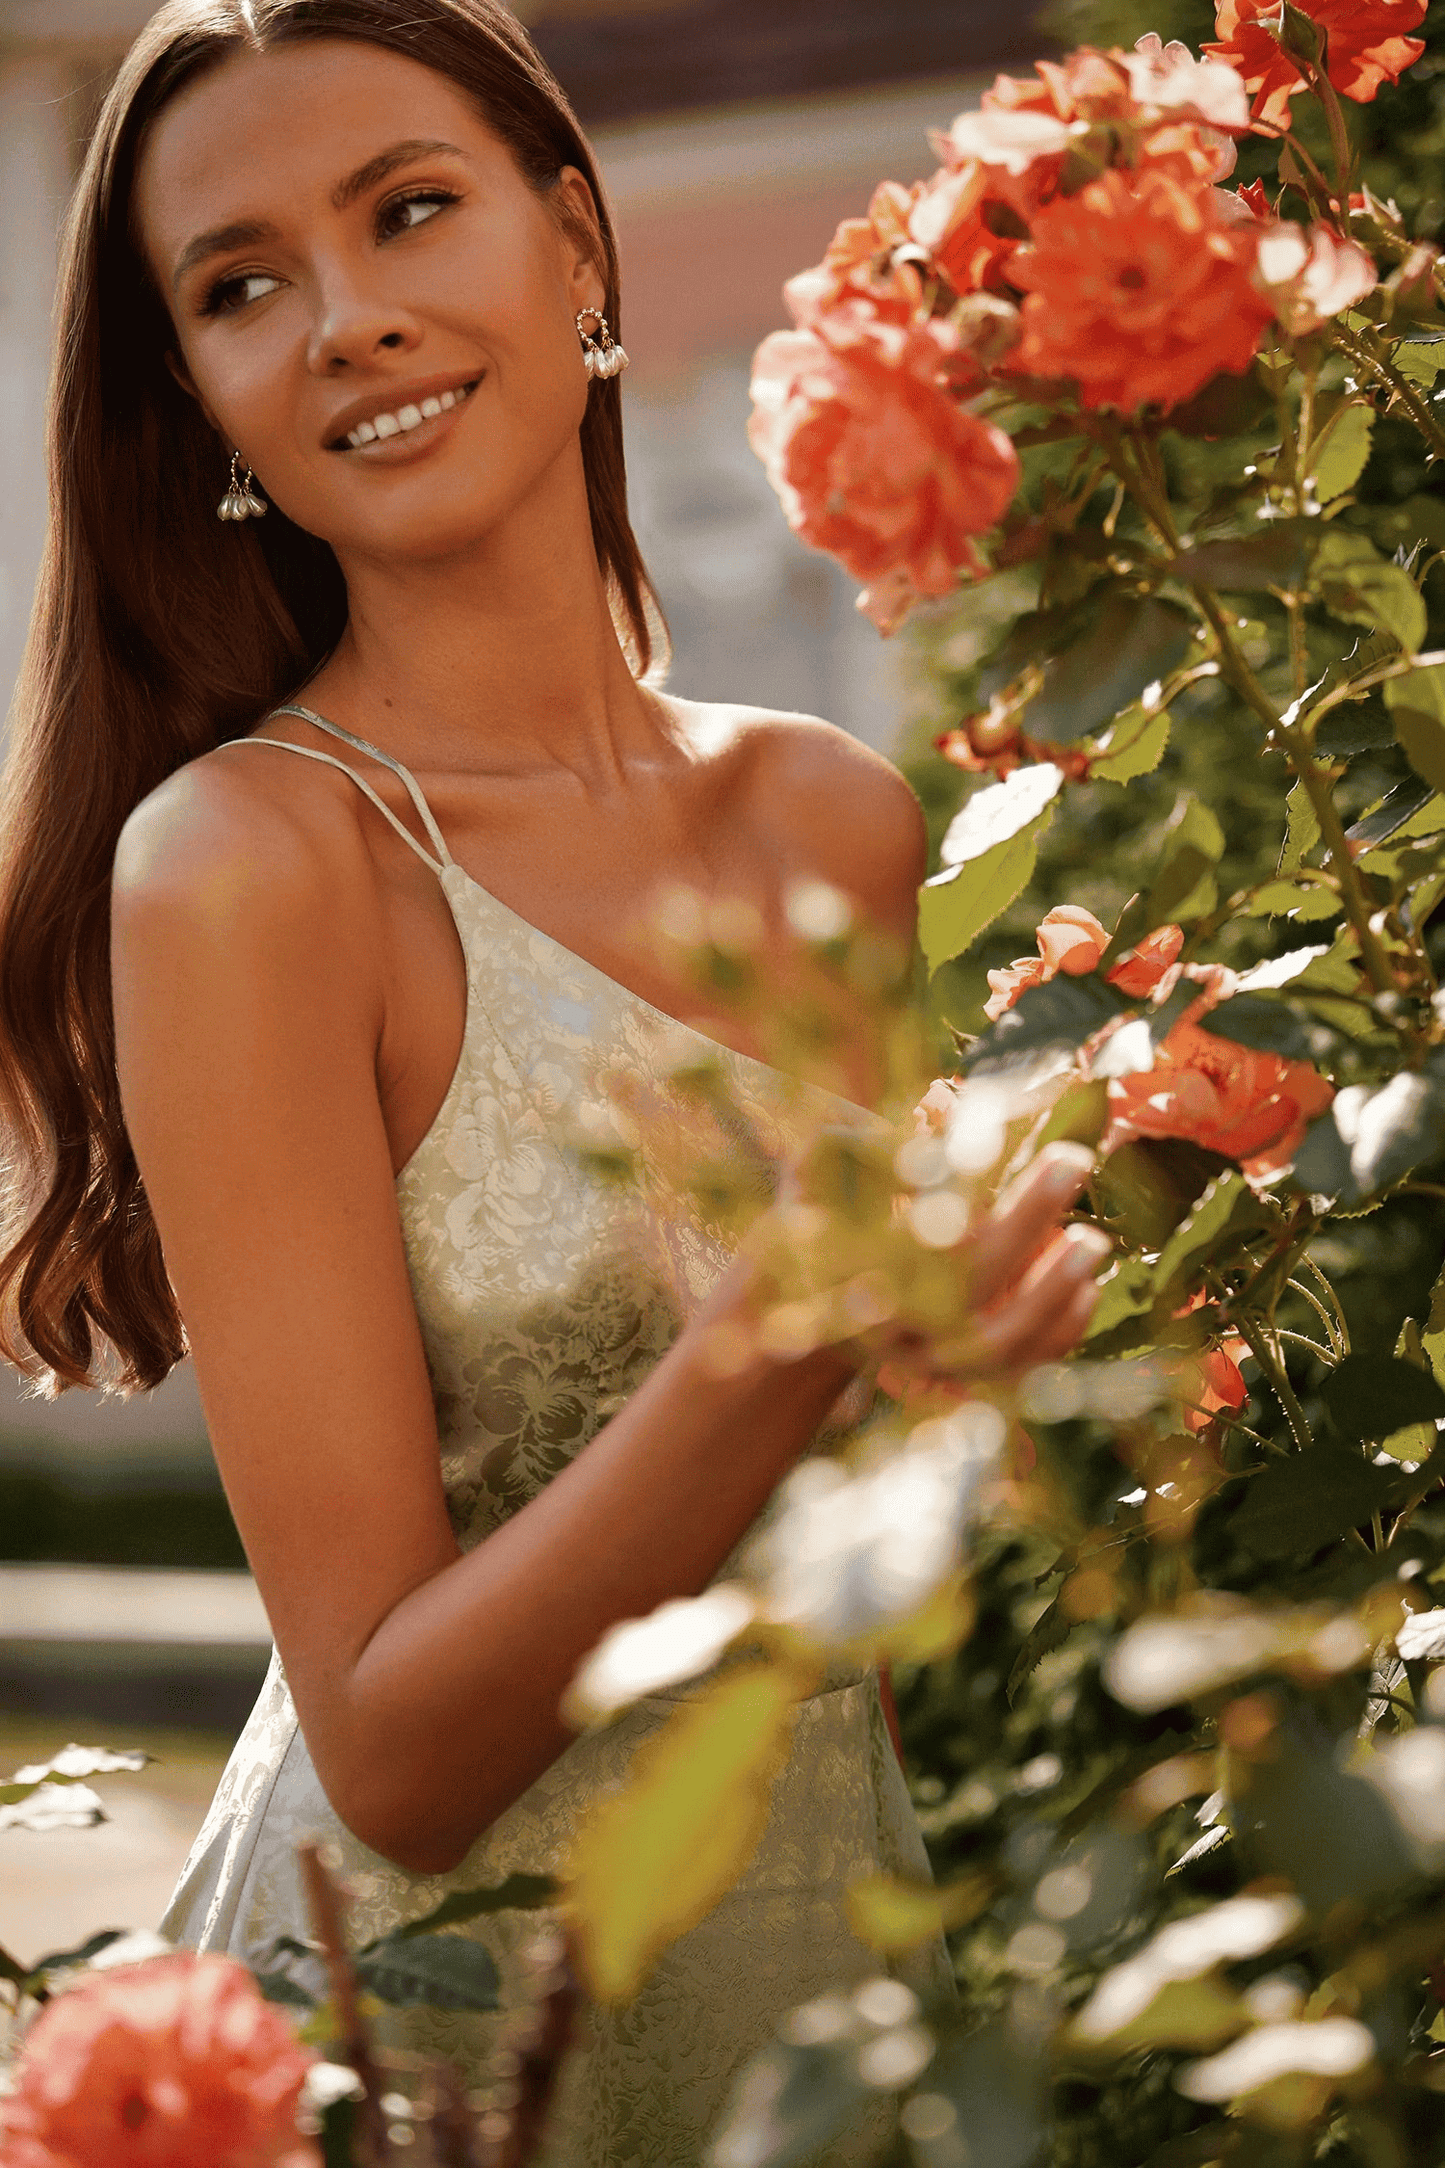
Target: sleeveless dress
{"type": "Point", "coordinates": [545, 1294]}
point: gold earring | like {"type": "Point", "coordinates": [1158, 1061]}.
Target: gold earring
{"type": "Point", "coordinates": [241, 500]}
{"type": "Point", "coordinates": [601, 354]}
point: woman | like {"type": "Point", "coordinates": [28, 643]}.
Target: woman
{"type": "Point", "coordinates": [337, 256]}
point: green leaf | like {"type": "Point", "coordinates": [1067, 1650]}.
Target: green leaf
{"type": "Point", "coordinates": [1001, 810]}
{"type": "Point", "coordinates": [1080, 1115]}
{"type": "Point", "coordinates": [1184, 886]}
{"type": "Point", "coordinates": [1050, 1630]}
{"type": "Point", "coordinates": [1361, 587]}
{"type": "Point", "coordinates": [1342, 454]}
{"type": "Point", "coordinates": [1126, 1300]}
{"type": "Point", "coordinates": [1372, 1137]}
{"type": "Point", "coordinates": [1432, 1339]}
{"type": "Point", "coordinates": [1419, 361]}
{"type": "Point", "coordinates": [1271, 556]}
{"type": "Point", "coordinates": [1417, 708]}
{"type": "Point", "coordinates": [1302, 830]}
{"type": "Point", "coordinates": [788, 2104]}
{"type": "Point", "coordinates": [1298, 1505]}
{"type": "Point", "coordinates": [1127, 647]}
{"type": "Point", "coordinates": [1062, 1013]}
{"type": "Point", "coordinates": [1135, 746]}
{"type": "Point", "coordinates": [281, 1988]}
{"type": "Point", "coordinates": [1362, 727]}
{"type": "Point", "coordinates": [519, 1893]}
{"type": "Point", "coordinates": [1272, 1027]}
{"type": "Point", "coordinates": [1368, 1396]}
{"type": "Point", "coordinates": [1410, 809]}
{"type": "Point", "coordinates": [1150, 1186]}
{"type": "Point", "coordinates": [444, 1972]}
{"type": "Point", "coordinates": [65, 1960]}
{"type": "Point", "coordinates": [1416, 1441]}
{"type": "Point", "coordinates": [1098, 656]}
{"type": "Point", "coordinates": [1303, 900]}
{"type": "Point", "coordinates": [956, 905]}
{"type": "Point", "coordinates": [1227, 1213]}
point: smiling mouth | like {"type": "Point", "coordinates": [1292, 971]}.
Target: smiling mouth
{"type": "Point", "coordinates": [400, 421]}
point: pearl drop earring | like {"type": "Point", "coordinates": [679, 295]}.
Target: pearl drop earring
{"type": "Point", "coordinates": [601, 354]}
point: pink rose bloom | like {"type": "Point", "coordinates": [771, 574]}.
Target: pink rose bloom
{"type": "Point", "coordinates": [1310, 277]}
{"type": "Point", "coordinates": [858, 422]}
{"type": "Point", "coordinates": [1072, 940]}
{"type": "Point", "coordinates": [174, 2063]}
{"type": "Point", "coordinates": [1168, 79]}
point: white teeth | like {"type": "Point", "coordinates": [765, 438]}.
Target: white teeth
{"type": "Point", "coordinates": [407, 417]}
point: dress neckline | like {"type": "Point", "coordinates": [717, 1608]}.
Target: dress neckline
{"type": "Point", "coordinates": [450, 869]}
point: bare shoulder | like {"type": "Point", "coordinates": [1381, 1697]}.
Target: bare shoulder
{"type": "Point", "coordinates": [838, 810]}
{"type": "Point", "coordinates": [223, 851]}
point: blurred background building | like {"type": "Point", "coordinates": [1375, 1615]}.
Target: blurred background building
{"type": "Point", "coordinates": [732, 136]}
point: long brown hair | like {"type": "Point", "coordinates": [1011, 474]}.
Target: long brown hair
{"type": "Point", "coordinates": [159, 632]}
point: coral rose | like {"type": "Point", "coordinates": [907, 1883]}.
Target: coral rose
{"type": "Point", "coordinates": [858, 422]}
{"type": "Point", "coordinates": [862, 258]}
{"type": "Point", "coordinates": [1071, 940]}
{"type": "Point", "coordinates": [1212, 1379]}
{"type": "Point", "coordinates": [1252, 1107]}
{"type": "Point", "coordinates": [1139, 288]}
{"type": "Point", "coordinates": [174, 2063]}
{"type": "Point", "coordinates": [1366, 46]}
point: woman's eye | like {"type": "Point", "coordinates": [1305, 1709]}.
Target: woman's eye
{"type": "Point", "coordinates": [235, 292]}
{"type": "Point", "coordinates": [405, 212]}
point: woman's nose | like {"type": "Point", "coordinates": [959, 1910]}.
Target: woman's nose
{"type": "Point", "coordinates": [353, 325]}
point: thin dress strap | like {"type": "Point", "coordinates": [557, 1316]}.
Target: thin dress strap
{"type": "Point", "coordinates": [413, 789]}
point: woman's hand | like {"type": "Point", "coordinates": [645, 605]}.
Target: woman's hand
{"type": "Point", "coordinates": [1032, 1282]}
{"type": "Point", "coordinates": [1026, 1291]}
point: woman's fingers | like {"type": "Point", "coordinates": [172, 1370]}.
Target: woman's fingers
{"type": "Point", "coordinates": [1039, 1318]}
{"type": "Point", "coordinates": [1011, 1239]}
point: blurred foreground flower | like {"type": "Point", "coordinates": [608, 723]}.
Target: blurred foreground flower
{"type": "Point", "coordinates": [1241, 1927]}
{"type": "Point", "coordinates": [1218, 1640]}
{"type": "Point", "coordinates": [174, 2063]}
{"type": "Point", "coordinates": [1330, 2047]}
{"type": "Point", "coordinates": [846, 1560]}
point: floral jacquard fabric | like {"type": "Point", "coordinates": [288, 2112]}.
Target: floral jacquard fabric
{"type": "Point", "coordinates": [545, 1294]}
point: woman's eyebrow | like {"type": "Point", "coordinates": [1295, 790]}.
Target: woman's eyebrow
{"type": "Point", "coordinates": [242, 233]}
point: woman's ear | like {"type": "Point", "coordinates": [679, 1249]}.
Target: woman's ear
{"type": "Point", "coordinates": [183, 377]}
{"type": "Point", "coordinates": [575, 210]}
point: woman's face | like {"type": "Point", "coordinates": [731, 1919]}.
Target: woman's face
{"type": "Point", "coordinates": [369, 300]}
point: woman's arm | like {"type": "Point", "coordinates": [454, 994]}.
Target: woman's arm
{"type": "Point", "coordinates": [248, 1014]}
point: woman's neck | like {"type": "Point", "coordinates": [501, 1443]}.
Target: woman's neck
{"type": "Point", "coordinates": [501, 659]}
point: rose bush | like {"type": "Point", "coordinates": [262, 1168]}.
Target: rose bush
{"type": "Point", "coordinates": [1168, 1725]}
